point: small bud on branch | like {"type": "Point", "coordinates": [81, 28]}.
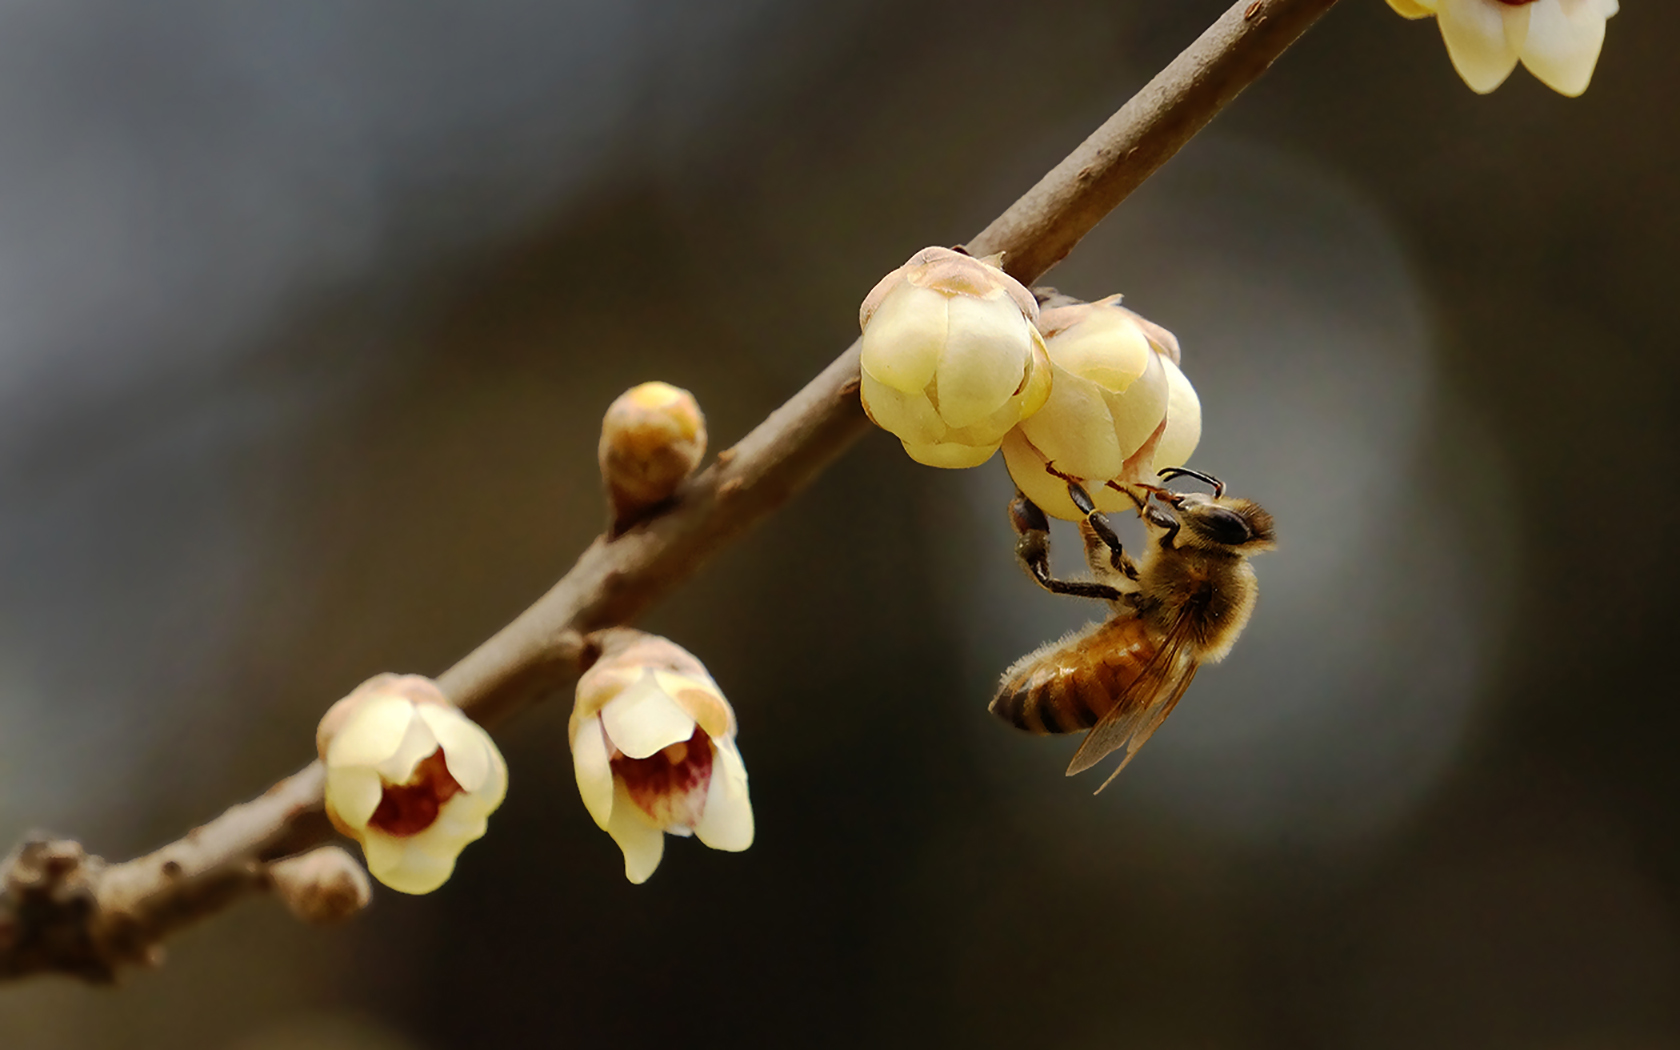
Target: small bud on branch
{"type": "Point", "coordinates": [652, 438]}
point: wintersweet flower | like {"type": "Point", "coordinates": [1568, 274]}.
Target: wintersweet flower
{"type": "Point", "coordinates": [409, 777]}
{"type": "Point", "coordinates": [951, 360]}
{"type": "Point", "coordinates": [1119, 409]}
{"type": "Point", "coordinates": [1558, 40]}
{"type": "Point", "coordinates": [653, 747]}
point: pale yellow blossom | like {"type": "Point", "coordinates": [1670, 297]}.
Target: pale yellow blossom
{"type": "Point", "coordinates": [409, 777]}
{"type": "Point", "coordinates": [653, 749]}
{"type": "Point", "coordinates": [1558, 40]}
{"type": "Point", "coordinates": [1119, 409]}
{"type": "Point", "coordinates": [950, 358]}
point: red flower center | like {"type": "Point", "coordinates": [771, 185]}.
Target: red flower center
{"type": "Point", "coordinates": [670, 786]}
{"type": "Point", "coordinates": [409, 809]}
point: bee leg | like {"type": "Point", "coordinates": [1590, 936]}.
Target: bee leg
{"type": "Point", "coordinates": [1033, 549]}
{"type": "Point", "coordinates": [1105, 535]}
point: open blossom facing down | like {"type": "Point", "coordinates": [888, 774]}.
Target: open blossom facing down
{"type": "Point", "coordinates": [653, 747]}
{"type": "Point", "coordinates": [1558, 40]}
{"type": "Point", "coordinates": [409, 777]}
{"type": "Point", "coordinates": [1119, 409]}
{"type": "Point", "coordinates": [951, 360]}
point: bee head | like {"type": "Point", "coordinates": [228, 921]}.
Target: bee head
{"type": "Point", "coordinates": [1238, 525]}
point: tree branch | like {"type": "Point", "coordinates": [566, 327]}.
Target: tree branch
{"type": "Point", "coordinates": [64, 911]}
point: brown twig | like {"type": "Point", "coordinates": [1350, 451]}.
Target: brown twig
{"type": "Point", "coordinates": [64, 911]}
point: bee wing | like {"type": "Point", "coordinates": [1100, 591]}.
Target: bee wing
{"type": "Point", "coordinates": [1143, 707]}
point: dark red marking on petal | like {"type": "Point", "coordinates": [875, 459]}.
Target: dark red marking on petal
{"type": "Point", "coordinates": [670, 785]}
{"type": "Point", "coordinates": [408, 809]}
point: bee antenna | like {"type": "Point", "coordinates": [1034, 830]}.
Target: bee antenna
{"type": "Point", "coordinates": [1168, 473]}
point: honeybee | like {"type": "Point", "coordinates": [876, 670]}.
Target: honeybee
{"type": "Point", "coordinates": [1181, 605]}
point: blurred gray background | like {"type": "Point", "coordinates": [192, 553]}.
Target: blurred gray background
{"type": "Point", "coordinates": [308, 315]}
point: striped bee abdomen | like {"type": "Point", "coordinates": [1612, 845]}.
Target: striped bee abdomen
{"type": "Point", "coordinates": [1069, 684]}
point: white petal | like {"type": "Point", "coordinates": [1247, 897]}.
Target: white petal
{"type": "Point", "coordinates": [494, 789]}
{"type": "Point", "coordinates": [727, 822]}
{"type": "Point", "coordinates": [594, 771]}
{"type": "Point", "coordinates": [1562, 47]}
{"type": "Point", "coordinates": [1106, 347]}
{"type": "Point", "coordinates": [1139, 410]}
{"type": "Point", "coordinates": [1184, 420]}
{"type": "Point", "coordinates": [642, 719]}
{"type": "Point", "coordinates": [700, 698]}
{"type": "Point", "coordinates": [354, 792]}
{"type": "Point", "coordinates": [642, 843]}
{"type": "Point", "coordinates": [1477, 43]}
{"type": "Point", "coordinates": [902, 342]}
{"type": "Point", "coordinates": [418, 743]}
{"type": "Point", "coordinates": [950, 455]}
{"type": "Point", "coordinates": [372, 732]}
{"type": "Point", "coordinates": [466, 746]}
{"type": "Point", "coordinates": [460, 821]}
{"type": "Point", "coordinates": [985, 358]}
{"type": "Point", "coordinates": [1074, 429]}
{"type": "Point", "coordinates": [1026, 469]}
{"type": "Point", "coordinates": [1414, 8]}
{"type": "Point", "coordinates": [396, 863]}
{"type": "Point", "coordinates": [909, 417]}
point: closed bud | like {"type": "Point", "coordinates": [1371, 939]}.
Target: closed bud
{"type": "Point", "coordinates": [1119, 409]}
{"type": "Point", "coordinates": [652, 438]}
{"type": "Point", "coordinates": [653, 748]}
{"type": "Point", "coordinates": [950, 358]}
{"type": "Point", "coordinates": [409, 777]}
{"type": "Point", "coordinates": [1558, 40]}
{"type": "Point", "coordinates": [322, 887]}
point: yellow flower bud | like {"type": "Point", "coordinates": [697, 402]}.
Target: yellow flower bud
{"type": "Point", "coordinates": [652, 438]}
{"type": "Point", "coordinates": [1119, 409]}
{"type": "Point", "coordinates": [951, 360]}
{"type": "Point", "coordinates": [409, 777]}
{"type": "Point", "coordinates": [653, 749]}
{"type": "Point", "coordinates": [1558, 40]}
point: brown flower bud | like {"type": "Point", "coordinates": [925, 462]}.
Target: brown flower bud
{"type": "Point", "coordinates": [322, 887]}
{"type": "Point", "coordinates": [652, 438]}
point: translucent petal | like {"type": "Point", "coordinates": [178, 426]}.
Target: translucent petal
{"type": "Point", "coordinates": [1037, 389]}
{"type": "Point", "coordinates": [1075, 429]}
{"type": "Point", "coordinates": [494, 789]}
{"type": "Point", "coordinates": [986, 352]}
{"type": "Point", "coordinates": [700, 699]}
{"type": "Point", "coordinates": [950, 455]}
{"type": "Point", "coordinates": [1562, 46]}
{"type": "Point", "coordinates": [902, 343]}
{"type": "Point", "coordinates": [397, 864]}
{"type": "Point", "coordinates": [417, 744]}
{"type": "Point", "coordinates": [372, 732]}
{"type": "Point", "coordinates": [466, 746]}
{"type": "Point", "coordinates": [1139, 410]}
{"type": "Point", "coordinates": [642, 719]}
{"type": "Point", "coordinates": [1106, 347]}
{"type": "Point", "coordinates": [908, 417]}
{"type": "Point", "coordinates": [1184, 421]}
{"type": "Point", "coordinates": [1477, 42]}
{"type": "Point", "coordinates": [1026, 468]}
{"type": "Point", "coordinates": [460, 821]}
{"type": "Point", "coordinates": [642, 843]}
{"type": "Point", "coordinates": [591, 765]}
{"type": "Point", "coordinates": [354, 792]}
{"type": "Point", "coordinates": [1413, 8]}
{"type": "Point", "coordinates": [727, 822]}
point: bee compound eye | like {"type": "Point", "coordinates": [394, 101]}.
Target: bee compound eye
{"type": "Point", "coordinates": [1222, 526]}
